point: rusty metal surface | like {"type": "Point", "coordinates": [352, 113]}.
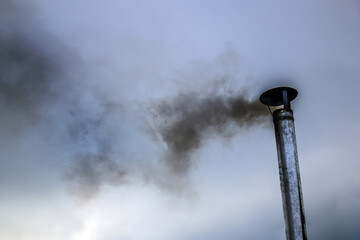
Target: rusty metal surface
{"type": "Point", "coordinates": [289, 175]}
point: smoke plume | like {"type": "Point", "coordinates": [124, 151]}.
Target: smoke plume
{"type": "Point", "coordinates": [190, 118]}
{"type": "Point", "coordinates": [43, 82]}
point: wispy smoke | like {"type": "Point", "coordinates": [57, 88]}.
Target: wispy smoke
{"type": "Point", "coordinates": [188, 119]}
{"type": "Point", "coordinates": [94, 161]}
{"type": "Point", "coordinates": [41, 84]}
{"type": "Point", "coordinates": [92, 170]}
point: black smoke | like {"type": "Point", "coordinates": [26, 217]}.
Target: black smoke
{"type": "Point", "coordinates": [189, 119]}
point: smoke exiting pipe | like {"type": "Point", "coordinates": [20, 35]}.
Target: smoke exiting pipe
{"type": "Point", "coordinates": [288, 160]}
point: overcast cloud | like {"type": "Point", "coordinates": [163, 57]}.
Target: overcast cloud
{"type": "Point", "coordinates": [140, 120]}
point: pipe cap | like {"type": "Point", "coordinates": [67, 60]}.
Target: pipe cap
{"type": "Point", "coordinates": [275, 97]}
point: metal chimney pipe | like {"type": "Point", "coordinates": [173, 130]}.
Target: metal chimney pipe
{"type": "Point", "coordinates": [283, 118]}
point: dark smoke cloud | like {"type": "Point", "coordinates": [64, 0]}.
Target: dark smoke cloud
{"type": "Point", "coordinates": [31, 74]}
{"type": "Point", "coordinates": [190, 118]}
{"type": "Point", "coordinates": [41, 84]}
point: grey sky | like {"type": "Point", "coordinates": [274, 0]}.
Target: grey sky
{"type": "Point", "coordinates": [81, 152]}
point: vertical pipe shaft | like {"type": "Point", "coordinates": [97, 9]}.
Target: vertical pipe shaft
{"type": "Point", "coordinates": [289, 175]}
